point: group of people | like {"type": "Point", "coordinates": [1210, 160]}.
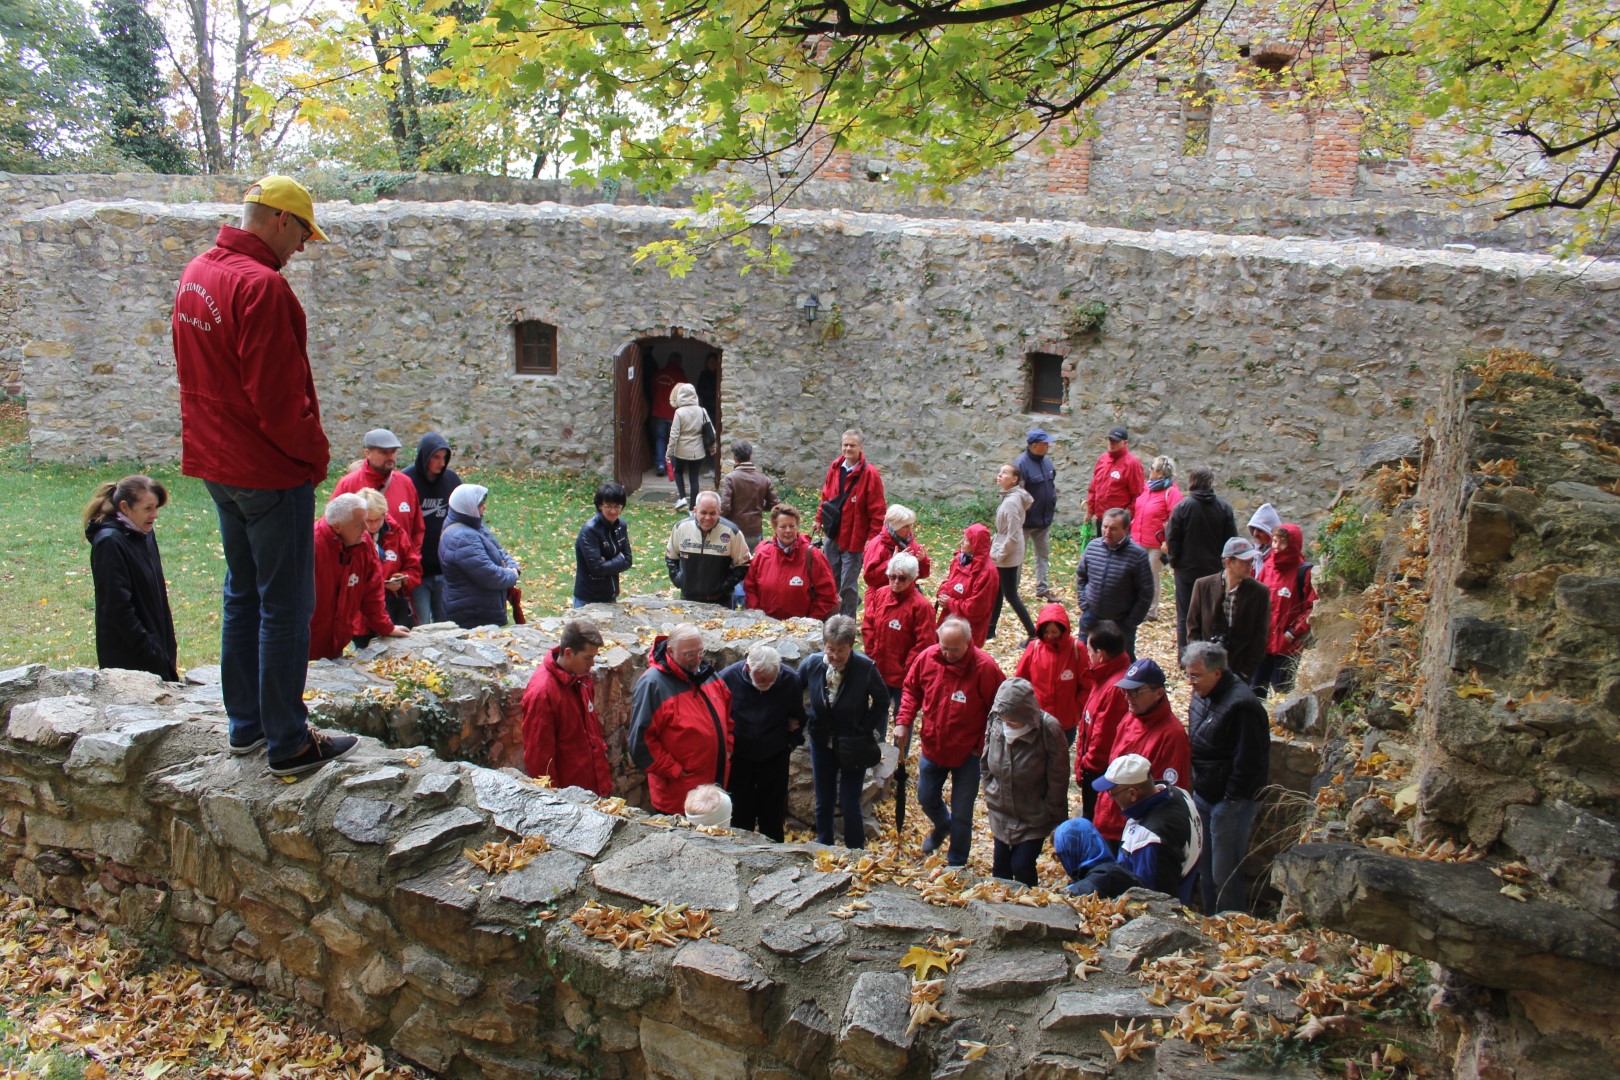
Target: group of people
{"type": "Point", "coordinates": [396, 548]}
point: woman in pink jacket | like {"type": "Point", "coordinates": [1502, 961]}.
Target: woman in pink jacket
{"type": "Point", "coordinates": [1150, 517]}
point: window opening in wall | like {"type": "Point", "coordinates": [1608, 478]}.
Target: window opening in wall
{"type": "Point", "coordinates": [1045, 383]}
{"type": "Point", "coordinates": [536, 347]}
{"type": "Point", "coordinates": [1195, 114]}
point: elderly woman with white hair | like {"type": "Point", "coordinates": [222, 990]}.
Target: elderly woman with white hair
{"type": "Point", "coordinates": [898, 535]}
{"type": "Point", "coordinates": [898, 624]}
{"type": "Point", "coordinates": [478, 572]}
{"type": "Point", "coordinates": [767, 718]}
{"type": "Point", "coordinates": [849, 708]}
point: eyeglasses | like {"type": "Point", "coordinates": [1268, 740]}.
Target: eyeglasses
{"type": "Point", "coordinates": [309, 230]}
{"type": "Point", "coordinates": [1133, 691]}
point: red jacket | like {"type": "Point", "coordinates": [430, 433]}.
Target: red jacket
{"type": "Point", "coordinates": [880, 549]}
{"type": "Point", "coordinates": [895, 630]}
{"type": "Point", "coordinates": [562, 736]}
{"type": "Point", "coordinates": [1161, 739]}
{"type": "Point", "coordinates": [1058, 670]}
{"type": "Point", "coordinates": [970, 589]}
{"type": "Point", "coordinates": [1151, 514]}
{"type": "Point", "coordinates": [395, 557]}
{"type": "Point", "coordinates": [1291, 605]}
{"type": "Point", "coordinates": [680, 729]}
{"type": "Point", "coordinates": [404, 504]}
{"type": "Point", "coordinates": [1116, 480]}
{"type": "Point", "coordinates": [348, 593]}
{"type": "Point", "coordinates": [796, 583]}
{"type": "Point", "coordinates": [1105, 704]}
{"type": "Point", "coordinates": [953, 701]}
{"type": "Point", "coordinates": [248, 413]}
{"type": "Point", "coordinates": [664, 383]}
{"type": "Point", "coordinates": [864, 505]}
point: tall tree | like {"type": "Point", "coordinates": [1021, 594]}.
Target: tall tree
{"type": "Point", "coordinates": [46, 84]}
{"type": "Point", "coordinates": [127, 57]}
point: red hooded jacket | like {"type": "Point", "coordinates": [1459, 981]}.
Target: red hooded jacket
{"type": "Point", "coordinates": [1160, 738]}
{"type": "Point", "coordinates": [896, 629]}
{"type": "Point", "coordinates": [404, 505]}
{"type": "Point", "coordinates": [680, 729]}
{"type": "Point", "coordinates": [864, 505]}
{"type": "Point", "coordinates": [951, 702]}
{"type": "Point", "coordinates": [1116, 480]}
{"type": "Point", "coordinates": [970, 589]}
{"type": "Point", "coordinates": [248, 413]}
{"type": "Point", "coordinates": [348, 593]}
{"type": "Point", "coordinates": [1291, 605]}
{"type": "Point", "coordinates": [1099, 719]}
{"type": "Point", "coordinates": [880, 549]}
{"type": "Point", "coordinates": [796, 583]}
{"type": "Point", "coordinates": [1059, 670]}
{"type": "Point", "coordinates": [562, 736]}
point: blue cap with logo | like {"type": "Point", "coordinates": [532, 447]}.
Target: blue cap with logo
{"type": "Point", "coordinates": [1142, 673]}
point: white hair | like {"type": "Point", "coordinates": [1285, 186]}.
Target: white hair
{"type": "Point", "coordinates": [898, 517]}
{"type": "Point", "coordinates": [706, 494]}
{"type": "Point", "coordinates": [342, 507]}
{"type": "Point", "coordinates": [956, 622]}
{"type": "Point", "coordinates": [683, 631]}
{"type": "Point", "coordinates": [904, 563]}
{"type": "Point", "coordinates": [764, 660]}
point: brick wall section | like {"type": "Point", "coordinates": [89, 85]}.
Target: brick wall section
{"type": "Point", "coordinates": [1068, 170]}
{"type": "Point", "coordinates": [1335, 153]}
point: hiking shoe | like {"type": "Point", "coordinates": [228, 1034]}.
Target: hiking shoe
{"type": "Point", "coordinates": [320, 749]}
{"type": "Point", "coordinates": [933, 840]}
{"type": "Point", "coordinates": [243, 749]}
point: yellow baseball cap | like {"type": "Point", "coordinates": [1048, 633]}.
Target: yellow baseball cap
{"type": "Point", "coordinates": [285, 193]}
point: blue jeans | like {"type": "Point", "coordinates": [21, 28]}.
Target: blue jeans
{"type": "Point", "coordinates": [1015, 861]}
{"type": "Point", "coordinates": [660, 439]}
{"type": "Point", "coordinates": [846, 569]}
{"type": "Point", "coordinates": [427, 599]}
{"type": "Point", "coordinates": [958, 824]}
{"type": "Point", "coordinates": [1227, 825]}
{"type": "Point", "coordinates": [841, 787]}
{"type": "Point", "coordinates": [269, 598]}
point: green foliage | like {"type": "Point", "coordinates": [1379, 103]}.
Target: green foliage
{"type": "Point", "coordinates": [1347, 546]}
{"type": "Point", "coordinates": [1086, 318]}
{"type": "Point", "coordinates": [47, 83]}
{"type": "Point", "coordinates": [127, 57]}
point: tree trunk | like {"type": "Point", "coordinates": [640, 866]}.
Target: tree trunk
{"type": "Point", "coordinates": [396, 114]}
{"type": "Point", "coordinates": [214, 159]}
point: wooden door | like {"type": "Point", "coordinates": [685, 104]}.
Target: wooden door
{"type": "Point", "coordinates": [630, 449]}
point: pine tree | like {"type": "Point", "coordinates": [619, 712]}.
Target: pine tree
{"type": "Point", "coordinates": [127, 58]}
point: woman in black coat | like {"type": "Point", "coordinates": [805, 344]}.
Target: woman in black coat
{"type": "Point", "coordinates": [134, 628]}
{"type": "Point", "coordinates": [845, 724]}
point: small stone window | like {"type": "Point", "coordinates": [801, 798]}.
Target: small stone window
{"type": "Point", "coordinates": [1045, 383]}
{"type": "Point", "coordinates": [1196, 110]}
{"type": "Point", "coordinates": [535, 345]}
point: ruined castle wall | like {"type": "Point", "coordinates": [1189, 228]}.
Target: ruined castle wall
{"type": "Point", "coordinates": [1276, 360]}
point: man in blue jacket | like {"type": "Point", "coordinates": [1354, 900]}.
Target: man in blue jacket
{"type": "Point", "coordinates": [1040, 480]}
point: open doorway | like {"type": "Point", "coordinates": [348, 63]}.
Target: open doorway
{"type": "Point", "coordinates": [642, 367]}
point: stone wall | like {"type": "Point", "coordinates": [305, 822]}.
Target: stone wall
{"type": "Point", "coordinates": [348, 890]}
{"type": "Point", "coordinates": [1513, 747]}
{"type": "Point", "coordinates": [1276, 360]}
{"type": "Point", "coordinates": [1384, 208]}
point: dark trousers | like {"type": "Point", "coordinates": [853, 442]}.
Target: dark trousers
{"type": "Point", "coordinates": [1276, 671]}
{"type": "Point", "coordinates": [1088, 795]}
{"type": "Point", "coordinates": [1009, 592]}
{"type": "Point", "coordinates": [1184, 589]}
{"type": "Point", "coordinates": [894, 708]}
{"type": "Point", "coordinates": [957, 822]}
{"type": "Point", "coordinates": [688, 478]}
{"type": "Point", "coordinates": [1015, 861]}
{"type": "Point", "coordinates": [840, 787]}
{"type": "Point", "coordinates": [269, 599]}
{"type": "Point", "coordinates": [758, 791]}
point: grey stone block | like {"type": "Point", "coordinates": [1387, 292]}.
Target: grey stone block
{"type": "Point", "coordinates": [1018, 973]}
{"type": "Point", "coordinates": [1086, 1010]}
{"type": "Point", "coordinates": [1143, 939]}
{"type": "Point", "coordinates": [365, 821]}
{"type": "Point", "coordinates": [51, 722]}
{"type": "Point", "coordinates": [432, 835]}
{"type": "Point", "coordinates": [1482, 643]}
{"type": "Point", "coordinates": [669, 868]}
{"type": "Point", "coordinates": [1007, 923]}
{"type": "Point", "coordinates": [891, 912]}
{"type": "Point", "coordinates": [874, 1035]}
{"type": "Point", "coordinates": [523, 810]}
{"type": "Point", "coordinates": [802, 940]}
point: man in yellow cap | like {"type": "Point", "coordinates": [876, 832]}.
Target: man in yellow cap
{"type": "Point", "coordinates": [250, 427]}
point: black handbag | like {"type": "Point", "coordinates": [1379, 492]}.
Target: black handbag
{"type": "Point", "coordinates": [857, 751]}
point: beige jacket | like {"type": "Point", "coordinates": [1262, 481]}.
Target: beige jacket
{"type": "Point", "coordinates": [686, 430]}
{"type": "Point", "coordinates": [1025, 781]}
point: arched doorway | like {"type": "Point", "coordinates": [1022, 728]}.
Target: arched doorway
{"type": "Point", "coordinates": [635, 370]}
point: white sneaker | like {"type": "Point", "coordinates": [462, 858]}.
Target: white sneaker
{"type": "Point", "coordinates": [680, 504]}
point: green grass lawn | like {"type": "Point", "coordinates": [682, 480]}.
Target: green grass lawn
{"type": "Point", "coordinates": [47, 601]}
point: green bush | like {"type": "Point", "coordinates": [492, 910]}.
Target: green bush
{"type": "Point", "coordinates": [1347, 547]}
